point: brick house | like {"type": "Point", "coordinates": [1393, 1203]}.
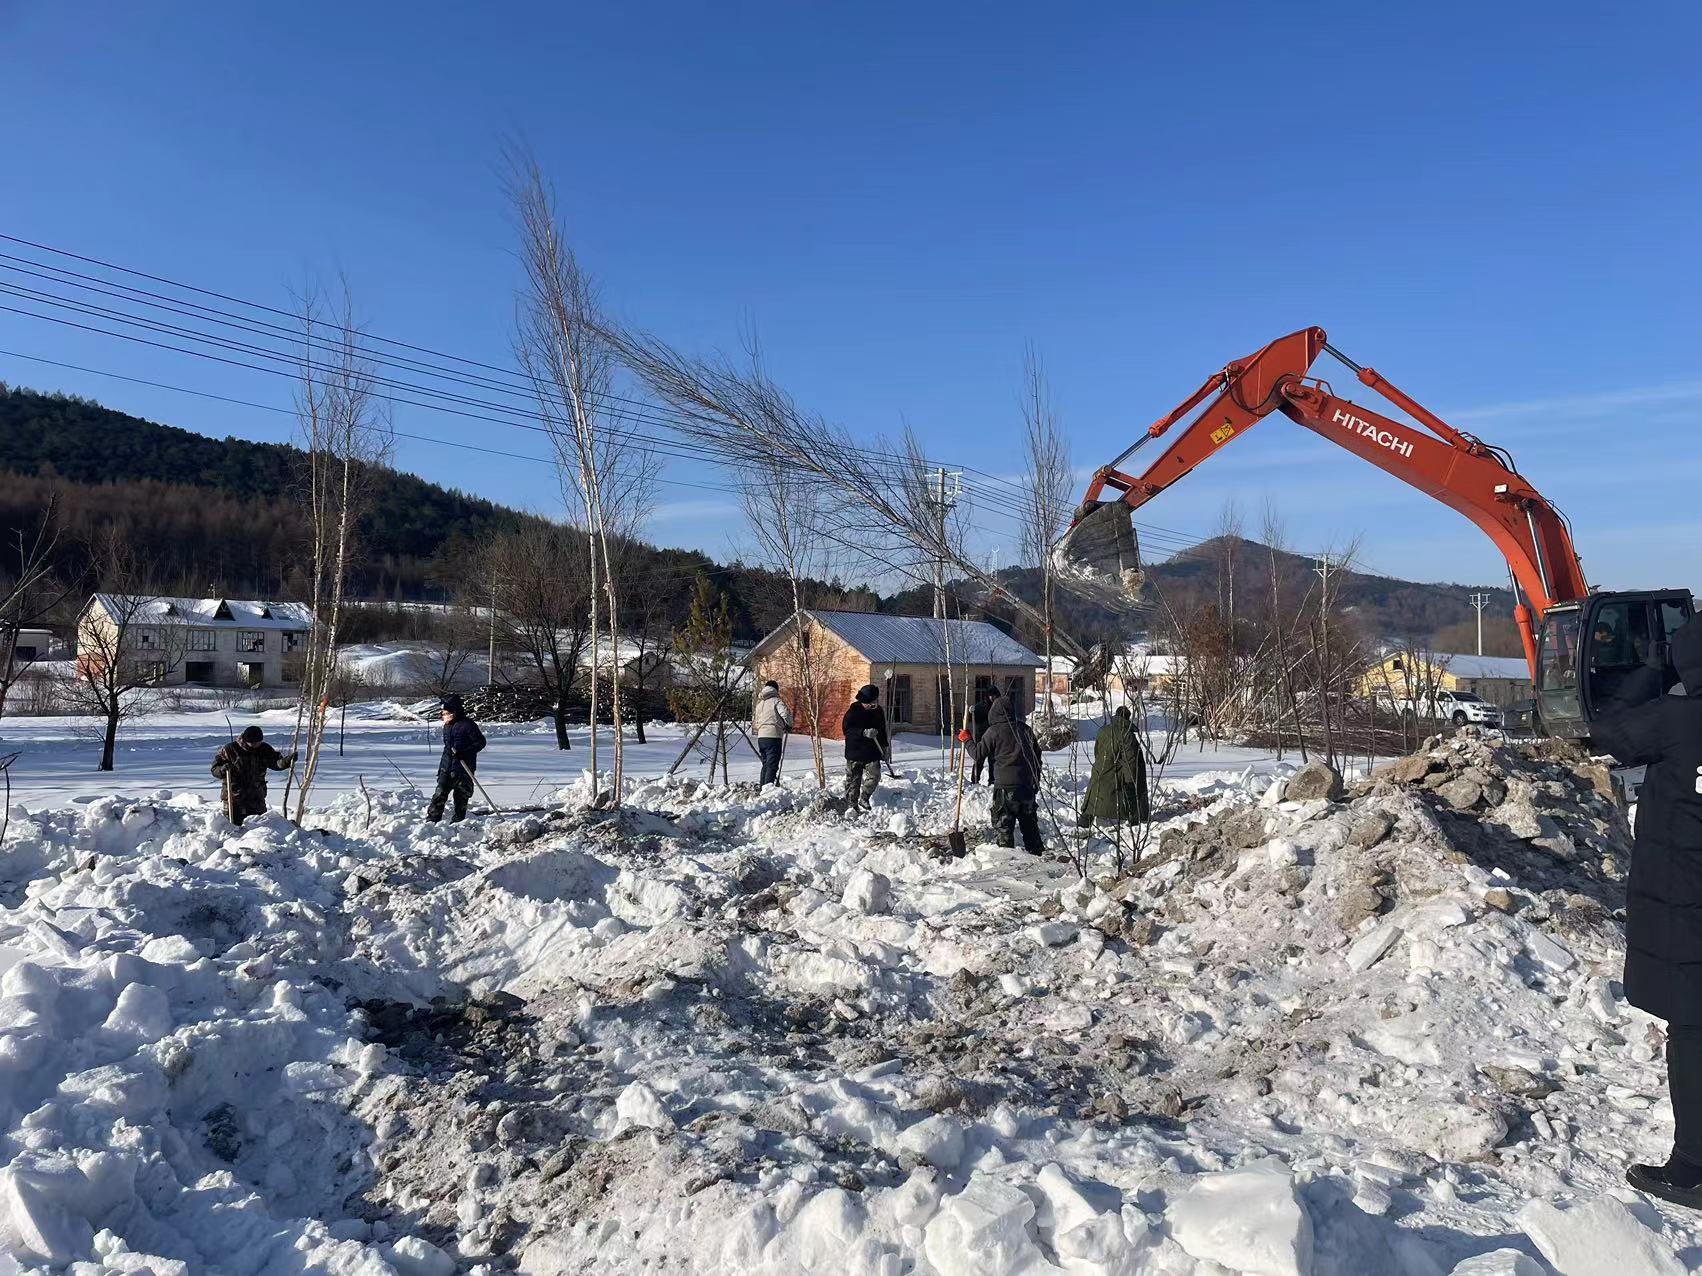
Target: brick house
{"type": "Point", "coordinates": [208, 642]}
{"type": "Point", "coordinates": [926, 668]}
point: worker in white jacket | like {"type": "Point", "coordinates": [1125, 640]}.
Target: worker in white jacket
{"type": "Point", "coordinates": [770, 721]}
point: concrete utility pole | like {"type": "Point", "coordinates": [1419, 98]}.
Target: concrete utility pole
{"type": "Point", "coordinates": [490, 658]}
{"type": "Point", "coordinates": [944, 502]}
{"type": "Point", "coordinates": [1480, 601]}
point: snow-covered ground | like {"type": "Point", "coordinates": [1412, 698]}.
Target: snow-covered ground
{"type": "Point", "coordinates": [743, 1033]}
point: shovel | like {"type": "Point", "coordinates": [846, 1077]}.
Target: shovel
{"type": "Point", "coordinates": [955, 839]}
{"type": "Point", "coordinates": [489, 800]}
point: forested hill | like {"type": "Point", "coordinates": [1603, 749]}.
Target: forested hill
{"type": "Point", "coordinates": [154, 479]}
{"type": "Point", "coordinates": [226, 516]}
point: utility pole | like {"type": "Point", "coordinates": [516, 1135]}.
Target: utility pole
{"type": "Point", "coordinates": [1480, 601]}
{"type": "Point", "coordinates": [943, 502]}
{"type": "Point", "coordinates": [1323, 567]}
{"type": "Point", "coordinates": [490, 658]}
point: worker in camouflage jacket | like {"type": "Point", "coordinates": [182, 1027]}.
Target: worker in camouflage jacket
{"type": "Point", "coordinates": [242, 765]}
{"type": "Point", "coordinates": [462, 741]}
{"type": "Point", "coordinates": [1663, 901]}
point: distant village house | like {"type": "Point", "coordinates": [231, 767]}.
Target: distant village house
{"type": "Point", "coordinates": [907, 657]}
{"type": "Point", "coordinates": [1404, 674]}
{"type": "Point", "coordinates": [206, 642]}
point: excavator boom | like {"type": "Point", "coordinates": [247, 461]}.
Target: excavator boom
{"type": "Point", "coordinates": [1100, 552]}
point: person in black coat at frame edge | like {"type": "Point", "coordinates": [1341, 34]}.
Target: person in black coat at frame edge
{"type": "Point", "coordinates": [1663, 923]}
{"type": "Point", "coordinates": [462, 741]}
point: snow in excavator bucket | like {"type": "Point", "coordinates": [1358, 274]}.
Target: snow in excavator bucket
{"type": "Point", "coordinates": [1099, 557]}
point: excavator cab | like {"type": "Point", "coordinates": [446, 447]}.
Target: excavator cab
{"type": "Point", "coordinates": [1605, 653]}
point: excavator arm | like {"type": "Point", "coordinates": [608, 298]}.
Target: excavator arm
{"type": "Point", "coordinates": [1453, 467]}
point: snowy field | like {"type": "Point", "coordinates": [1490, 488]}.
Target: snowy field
{"type": "Point", "coordinates": [383, 742]}
{"type": "Point", "coordinates": [726, 1032]}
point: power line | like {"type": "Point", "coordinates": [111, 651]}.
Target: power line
{"type": "Point", "coordinates": [993, 480]}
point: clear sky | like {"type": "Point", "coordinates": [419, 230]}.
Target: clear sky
{"type": "Point", "coordinates": [1495, 205]}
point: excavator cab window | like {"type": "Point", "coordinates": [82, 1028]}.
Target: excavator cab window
{"type": "Point", "coordinates": [1627, 661]}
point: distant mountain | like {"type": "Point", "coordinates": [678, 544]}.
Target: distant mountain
{"type": "Point", "coordinates": [1382, 606]}
{"type": "Point", "coordinates": [225, 516]}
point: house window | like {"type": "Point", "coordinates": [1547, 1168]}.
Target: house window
{"type": "Point", "coordinates": [293, 640]}
{"type": "Point", "coordinates": [147, 639]}
{"type": "Point", "coordinates": [251, 640]}
{"type": "Point", "coordinates": [901, 699]}
{"type": "Point", "coordinates": [1013, 689]}
{"type": "Point", "coordinates": [153, 671]}
{"type": "Point", "coordinates": [203, 640]}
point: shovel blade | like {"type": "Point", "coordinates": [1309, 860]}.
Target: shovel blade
{"type": "Point", "coordinates": [958, 841]}
{"type": "Point", "coordinates": [1099, 557]}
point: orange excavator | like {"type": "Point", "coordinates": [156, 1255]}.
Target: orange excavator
{"type": "Point", "coordinates": [1590, 653]}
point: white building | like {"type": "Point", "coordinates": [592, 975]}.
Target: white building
{"type": "Point", "coordinates": [208, 642]}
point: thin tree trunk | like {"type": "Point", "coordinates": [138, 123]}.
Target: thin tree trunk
{"type": "Point", "coordinates": [111, 738]}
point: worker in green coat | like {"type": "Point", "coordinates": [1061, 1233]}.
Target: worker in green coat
{"type": "Point", "coordinates": [1116, 790]}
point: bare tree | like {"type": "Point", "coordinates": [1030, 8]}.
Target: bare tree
{"type": "Point", "coordinates": [1046, 500]}
{"type": "Point", "coordinates": [740, 416]}
{"type": "Point", "coordinates": [126, 647]}
{"type": "Point", "coordinates": [560, 342]}
{"type": "Point", "coordinates": [345, 432]}
{"type": "Point", "coordinates": [29, 591]}
{"type": "Point", "coordinates": [540, 600]}
{"type": "Point", "coordinates": [1274, 536]}
{"type": "Point", "coordinates": [783, 509]}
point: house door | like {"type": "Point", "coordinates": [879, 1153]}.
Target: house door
{"type": "Point", "coordinates": [199, 671]}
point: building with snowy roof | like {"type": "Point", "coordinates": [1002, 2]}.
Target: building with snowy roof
{"type": "Point", "coordinates": [926, 668]}
{"type": "Point", "coordinates": [208, 642]}
{"type": "Point", "coordinates": [1407, 673]}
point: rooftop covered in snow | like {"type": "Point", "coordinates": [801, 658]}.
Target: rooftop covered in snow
{"type": "Point", "coordinates": [915, 640]}
{"type": "Point", "coordinates": [210, 613]}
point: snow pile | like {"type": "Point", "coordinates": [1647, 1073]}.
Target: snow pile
{"type": "Point", "coordinates": [735, 1032]}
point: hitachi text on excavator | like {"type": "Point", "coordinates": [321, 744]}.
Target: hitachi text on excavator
{"type": "Point", "coordinates": [1591, 653]}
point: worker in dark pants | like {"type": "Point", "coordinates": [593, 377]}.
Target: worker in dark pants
{"type": "Point", "coordinates": [462, 741]}
{"type": "Point", "coordinates": [866, 745]}
{"type": "Point", "coordinates": [978, 723]}
{"type": "Point", "coordinates": [1010, 749]}
{"type": "Point", "coordinates": [242, 765]}
{"type": "Point", "coordinates": [1663, 907]}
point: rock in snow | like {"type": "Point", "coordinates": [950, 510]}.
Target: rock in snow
{"type": "Point", "coordinates": [1601, 1237]}
{"type": "Point", "coordinates": [1369, 948]}
{"type": "Point", "coordinates": [1248, 1220]}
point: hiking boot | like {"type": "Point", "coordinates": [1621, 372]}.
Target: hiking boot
{"type": "Point", "coordinates": [1678, 1181]}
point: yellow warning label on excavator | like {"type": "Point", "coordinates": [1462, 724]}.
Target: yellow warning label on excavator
{"type": "Point", "coordinates": [1223, 433]}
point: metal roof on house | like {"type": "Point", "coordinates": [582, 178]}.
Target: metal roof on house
{"type": "Point", "coordinates": [1467, 666]}
{"type": "Point", "coordinates": [210, 613]}
{"type": "Point", "coordinates": [920, 640]}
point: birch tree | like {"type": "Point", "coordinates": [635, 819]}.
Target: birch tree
{"type": "Point", "coordinates": [1046, 498]}
{"type": "Point", "coordinates": [344, 429]}
{"type": "Point", "coordinates": [782, 507]}
{"type": "Point", "coordinates": [561, 345]}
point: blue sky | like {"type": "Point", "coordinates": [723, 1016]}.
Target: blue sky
{"type": "Point", "coordinates": [1496, 206]}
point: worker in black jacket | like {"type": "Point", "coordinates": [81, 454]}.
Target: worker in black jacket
{"type": "Point", "coordinates": [978, 724]}
{"type": "Point", "coordinates": [864, 726]}
{"type": "Point", "coordinates": [462, 741]}
{"type": "Point", "coordinates": [1009, 747]}
{"type": "Point", "coordinates": [1663, 922]}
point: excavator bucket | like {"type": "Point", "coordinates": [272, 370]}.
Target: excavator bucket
{"type": "Point", "coordinates": [1099, 556]}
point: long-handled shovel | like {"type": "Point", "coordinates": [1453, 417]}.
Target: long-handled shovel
{"type": "Point", "coordinates": [955, 839]}
{"type": "Point", "coordinates": [489, 801]}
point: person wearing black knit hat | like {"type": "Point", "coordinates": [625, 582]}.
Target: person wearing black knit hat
{"type": "Point", "coordinates": [242, 765]}
{"type": "Point", "coordinates": [866, 744]}
{"type": "Point", "coordinates": [462, 741]}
